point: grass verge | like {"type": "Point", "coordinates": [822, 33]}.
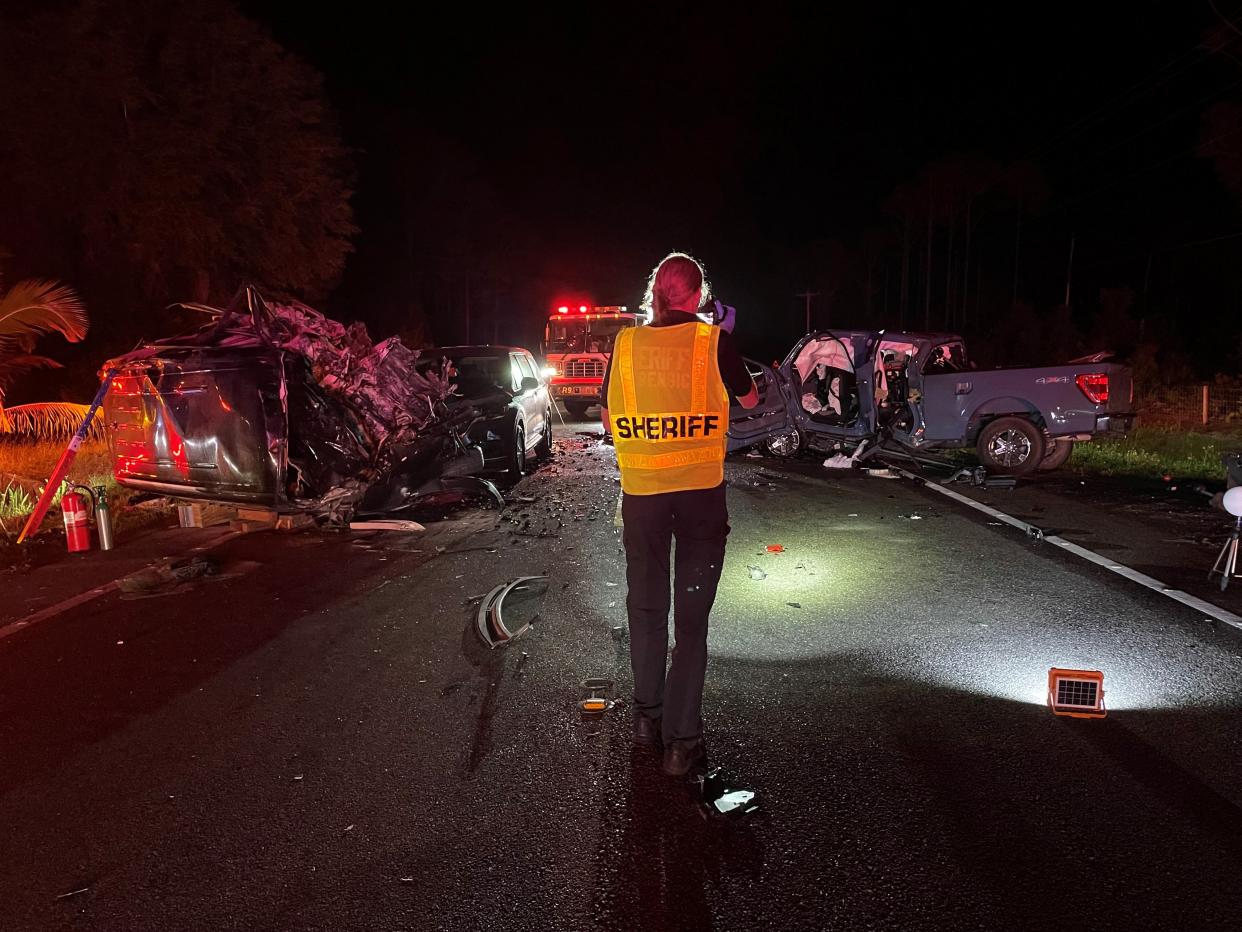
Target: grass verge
{"type": "Point", "coordinates": [1151, 452]}
{"type": "Point", "coordinates": [24, 470]}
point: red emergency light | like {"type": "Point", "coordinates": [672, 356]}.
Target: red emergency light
{"type": "Point", "coordinates": [582, 309]}
{"type": "Point", "coordinates": [563, 309]}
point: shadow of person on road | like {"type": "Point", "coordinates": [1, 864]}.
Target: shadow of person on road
{"type": "Point", "coordinates": [662, 862]}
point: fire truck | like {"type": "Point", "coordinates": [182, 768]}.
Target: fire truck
{"type": "Point", "coordinates": [576, 344]}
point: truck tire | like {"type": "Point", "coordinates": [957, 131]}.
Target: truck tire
{"type": "Point", "coordinates": [785, 445]}
{"type": "Point", "coordinates": [1057, 455]}
{"type": "Point", "coordinates": [576, 409]}
{"type": "Point", "coordinates": [1011, 446]}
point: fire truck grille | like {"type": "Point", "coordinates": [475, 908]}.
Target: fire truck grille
{"type": "Point", "coordinates": [584, 369]}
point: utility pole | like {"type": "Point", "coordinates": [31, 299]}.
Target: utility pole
{"type": "Point", "coordinates": [1017, 253]}
{"type": "Point", "coordinates": [931, 213]}
{"type": "Point", "coordinates": [808, 295]}
{"type": "Point", "coordinates": [1069, 272]}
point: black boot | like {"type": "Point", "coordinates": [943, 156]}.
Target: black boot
{"type": "Point", "coordinates": [681, 756]}
{"type": "Point", "coordinates": [646, 730]}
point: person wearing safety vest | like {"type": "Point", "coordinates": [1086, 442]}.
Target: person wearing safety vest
{"type": "Point", "coordinates": [666, 404]}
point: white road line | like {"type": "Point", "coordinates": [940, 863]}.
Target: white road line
{"type": "Point", "coordinates": [90, 595]}
{"type": "Point", "coordinates": [1155, 585]}
{"type": "Point", "coordinates": [53, 610]}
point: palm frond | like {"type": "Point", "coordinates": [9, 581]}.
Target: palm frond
{"type": "Point", "coordinates": [50, 420]}
{"type": "Point", "coordinates": [13, 366]}
{"type": "Point", "coordinates": [35, 307]}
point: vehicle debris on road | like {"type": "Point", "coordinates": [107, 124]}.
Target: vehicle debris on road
{"type": "Point", "coordinates": [159, 580]}
{"type": "Point", "coordinates": [723, 796]}
{"type": "Point", "coordinates": [410, 527]}
{"type": "Point", "coordinates": [510, 609]}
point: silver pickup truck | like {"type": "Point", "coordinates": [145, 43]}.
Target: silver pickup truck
{"type": "Point", "coordinates": [912, 392]}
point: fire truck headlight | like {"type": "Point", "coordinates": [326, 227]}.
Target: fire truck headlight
{"type": "Point", "coordinates": [548, 371]}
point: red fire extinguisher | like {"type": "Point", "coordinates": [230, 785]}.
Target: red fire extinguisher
{"type": "Point", "coordinates": [77, 525]}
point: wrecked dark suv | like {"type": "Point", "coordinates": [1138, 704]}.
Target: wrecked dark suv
{"type": "Point", "coordinates": [856, 391]}
{"type": "Point", "coordinates": [504, 385]}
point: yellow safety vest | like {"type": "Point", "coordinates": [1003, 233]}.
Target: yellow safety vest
{"type": "Point", "coordinates": [669, 408]}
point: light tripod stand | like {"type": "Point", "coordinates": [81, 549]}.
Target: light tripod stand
{"type": "Point", "coordinates": [1227, 563]}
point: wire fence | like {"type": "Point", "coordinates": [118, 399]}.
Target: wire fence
{"type": "Point", "coordinates": [1203, 404]}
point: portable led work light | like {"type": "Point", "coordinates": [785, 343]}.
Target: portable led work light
{"type": "Point", "coordinates": [1076, 693]}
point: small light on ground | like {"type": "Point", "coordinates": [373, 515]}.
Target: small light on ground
{"type": "Point", "coordinates": [1076, 693]}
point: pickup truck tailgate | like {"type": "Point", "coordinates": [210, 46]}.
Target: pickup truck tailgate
{"type": "Point", "coordinates": [1120, 390]}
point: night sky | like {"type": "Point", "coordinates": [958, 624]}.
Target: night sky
{"type": "Point", "coordinates": [508, 160]}
{"type": "Point", "coordinates": [609, 137]}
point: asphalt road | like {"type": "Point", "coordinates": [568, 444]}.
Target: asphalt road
{"type": "Point", "coordinates": [319, 740]}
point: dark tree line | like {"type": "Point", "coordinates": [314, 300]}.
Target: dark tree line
{"type": "Point", "coordinates": [159, 152]}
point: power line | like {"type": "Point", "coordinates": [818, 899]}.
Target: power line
{"type": "Point", "coordinates": [1140, 171]}
{"type": "Point", "coordinates": [1097, 154]}
{"type": "Point", "coordinates": [1154, 250]}
{"type": "Point", "coordinates": [1197, 52]}
{"type": "Point", "coordinates": [1221, 17]}
{"type": "Point", "coordinates": [1084, 121]}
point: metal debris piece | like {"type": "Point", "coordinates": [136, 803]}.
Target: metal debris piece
{"type": "Point", "coordinates": [390, 524]}
{"type": "Point", "coordinates": [65, 896]}
{"type": "Point", "coordinates": [881, 472]}
{"type": "Point", "coordinates": [510, 609]}
{"type": "Point", "coordinates": [756, 572]}
{"type": "Point", "coordinates": [167, 577]}
{"type": "Point", "coordinates": [723, 795]}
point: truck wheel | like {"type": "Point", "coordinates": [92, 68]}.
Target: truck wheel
{"type": "Point", "coordinates": [1057, 456]}
{"type": "Point", "coordinates": [544, 450]}
{"type": "Point", "coordinates": [576, 409]}
{"type": "Point", "coordinates": [1012, 446]}
{"type": "Point", "coordinates": [517, 455]}
{"type": "Point", "coordinates": [786, 444]}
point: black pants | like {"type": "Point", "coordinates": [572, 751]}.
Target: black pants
{"type": "Point", "coordinates": [699, 521]}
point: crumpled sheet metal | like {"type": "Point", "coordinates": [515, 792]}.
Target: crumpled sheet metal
{"type": "Point", "coordinates": [380, 381]}
{"type": "Point", "coordinates": [354, 409]}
